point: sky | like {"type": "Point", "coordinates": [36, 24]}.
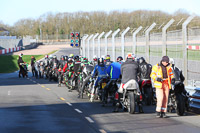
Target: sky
{"type": "Point", "coordinates": [13, 10]}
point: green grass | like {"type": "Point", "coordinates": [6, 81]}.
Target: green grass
{"type": "Point", "coordinates": [8, 63]}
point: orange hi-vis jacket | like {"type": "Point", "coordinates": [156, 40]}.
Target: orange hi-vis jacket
{"type": "Point", "coordinates": [157, 72]}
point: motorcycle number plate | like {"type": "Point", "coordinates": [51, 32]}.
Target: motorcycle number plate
{"type": "Point", "coordinates": [103, 85]}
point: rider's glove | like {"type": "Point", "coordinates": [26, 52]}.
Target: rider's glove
{"type": "Point", "coordinates": [159, 79]}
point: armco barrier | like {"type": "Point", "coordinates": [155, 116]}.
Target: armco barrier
{"type": "Point", "coordinates": [194, 100]}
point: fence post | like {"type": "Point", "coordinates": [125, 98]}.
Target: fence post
{"type": "Point", "coordinates": [134, 39]}
{"type": "Point", "coordinates": [99, 44]}
{"type": "Point", "coordinates": [148, 41]}
{"type": "Point", "coordinates": [83, 42]}
{"type": "Point", "coordinates": [106, 41]}
{"type": "Point", "coordinates": [122, 40]}
{"type": "Point", "coordinates": [164, 37]}
{"type": "Point", "coordinates": [93, 40]}
{"type": "Point", "coordinates": [113, 43]}
{"type": "Point", "coordinates": [88, 45]}
{"type": "Point", "coordinates": [184, 36]}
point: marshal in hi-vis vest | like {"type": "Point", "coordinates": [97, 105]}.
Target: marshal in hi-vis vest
{"type": "Point", "coordinates": [157, 72]}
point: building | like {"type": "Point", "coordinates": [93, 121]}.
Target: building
{"type": "Point", "coordinates": [3, 32]}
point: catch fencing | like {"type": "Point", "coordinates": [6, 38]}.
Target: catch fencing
{"type": "Point", "coordinates": [182, 45]}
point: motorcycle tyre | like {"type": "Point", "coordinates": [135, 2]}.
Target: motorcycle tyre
{"type": "Point", "coordinates": [180, 109]}
{"type": "Point", "coordinates": [131, 97]}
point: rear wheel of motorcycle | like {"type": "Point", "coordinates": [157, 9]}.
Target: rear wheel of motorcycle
{"type": "Point", "coordinates": [148, 99]}
{"type": "Point", "coordinates": [131, 104]}
{"type": "Point", "coordinates": [180, 109]}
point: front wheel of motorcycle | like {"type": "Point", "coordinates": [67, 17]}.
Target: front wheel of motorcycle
{"type": "Point", "coordinates": [180, 109]}
{"type": "Point", "coordinates": [131, 102]}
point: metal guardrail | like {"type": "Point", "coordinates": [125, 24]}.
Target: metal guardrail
{"type": "Point", "coordinates": [194, 100]}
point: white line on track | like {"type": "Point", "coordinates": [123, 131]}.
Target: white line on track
{"type": "Point", "coordinates": [77, 110]}
{"type": "Point", "coordinates": [8, 93]}
{"type": "Point", "coordinates": [89, 119]}
{"type": "Point", "coordinates": [69, 104]}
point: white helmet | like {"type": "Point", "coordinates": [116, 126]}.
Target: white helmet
{"type": "Point", "coordinates": [20, 55]}
{"type": "Point", "coordinates": [50, 56]}
{"type": "Point", "coordinates": [94, 57]}
{"type": "Point", "coordinates": [171, 61]}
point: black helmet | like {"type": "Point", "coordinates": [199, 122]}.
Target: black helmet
{"type": "Point", "coordinates": [100, 61]}
{"type": "Point", "coordinates": [141, 60]}
{"type": "Point", "coordinates": [66, 58]}
{"type": "Point", "coordinates": [70, 60]}
{"type": "Point", "coordinates": [119, 58]}
{"type": "Point", "coordinates": [76, 58]}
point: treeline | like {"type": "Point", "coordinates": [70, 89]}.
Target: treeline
{"type": "Point", "coordinates": [98, 21]}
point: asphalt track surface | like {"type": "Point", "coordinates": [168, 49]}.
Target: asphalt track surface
{"type": "Point", "coordinates": [29, 105]}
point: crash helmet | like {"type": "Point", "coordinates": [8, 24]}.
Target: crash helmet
{"type": "Point", "coordinates": [50, 56]}
{"type": "Point", "coordinates": [21, 54]}
{"type": "Point", "coordinates": [129, 56]}
{"type": "Point", "coordinates": [141, 60]}
{"type": "Point", "coordinates": [76, 58]}
{"type": "Point", "coordinates": [71, 55]}
{"type": "Point", "coordinates": [70, 60]}
{"type": "Point", "coordinates": [119, 58]}
{"type": "Point", "coordinates": [94, 58]}
{"type": "Point", "coordinates": [46, 56]}
{"type": "Point", "coordinates": [66, 58]}
{"type": "Point", "coordinates": [100, 61]}
{"type": "Point", "coordinates": [107, 57]}
{"type": "Point", "coordinates": [85, 60]}
{"type": "Point", "coordinates": [171, 61]}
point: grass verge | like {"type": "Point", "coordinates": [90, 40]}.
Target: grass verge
{"type": "Point", "coordinates": [8, 63]}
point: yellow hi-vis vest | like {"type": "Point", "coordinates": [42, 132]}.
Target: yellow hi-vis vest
{"type": "Point", "coordinates": [157, 72]}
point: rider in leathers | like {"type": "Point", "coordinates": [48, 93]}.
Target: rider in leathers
{"type": "Point", "coordinates": [129, 71]}
{"type": "Point", "coordinates": [178, 76]}
{"type": "Point", "coordinates": [114, 73]}
{"type": "Point", "coordinates": [61, 66]}
{"type": "Point", "coordinates": [100, 71]}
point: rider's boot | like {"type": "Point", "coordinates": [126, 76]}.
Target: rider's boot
{"type": "Point", "coordinates": [92, 98]}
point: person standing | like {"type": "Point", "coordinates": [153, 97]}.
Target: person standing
{"type": "Point", "coordinates": [33, 60]}
{"type": "Point", "coordinates": [20, 62]}
{"type": "Point", "coordinates": [162, 77]}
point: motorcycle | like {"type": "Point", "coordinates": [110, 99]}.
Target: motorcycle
{"type": "Point", "coordinates": [101, 85]}
{"type": "Point", "coordinates": [177, 99]}
{"type": "Point", "coordinates": [24, 71]}
{"type": "Point", "coordinates": [53, 73]}
{"type": "Point", "coordinates": [147, 91]}
{"type": "Point", "coordinates": [128, 98]}
{"type": "Point", "coordinates": [85, 78]}
{"type": "Point", "coordinates": [109, 91]}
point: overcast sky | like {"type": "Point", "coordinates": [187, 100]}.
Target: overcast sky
{"type": "Point", "coordinates": [13, 10]}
